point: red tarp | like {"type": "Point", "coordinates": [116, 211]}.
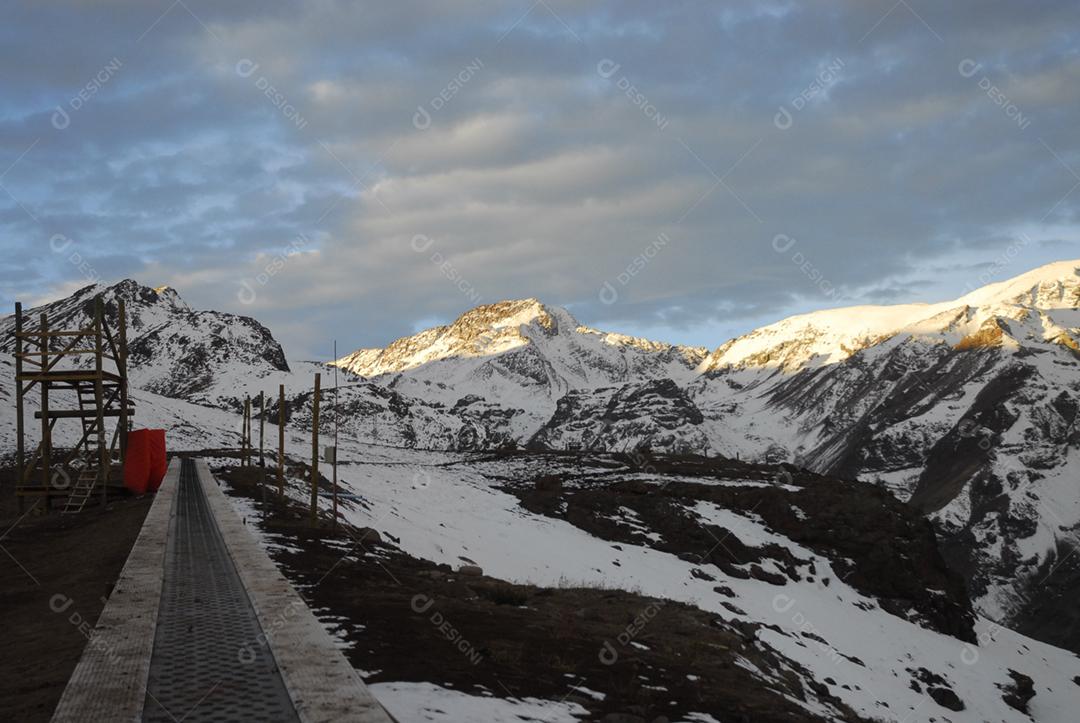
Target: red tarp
{"type": "Point", "coordinates": [158, 461]}
{"type": "Point", "coordinates": [145, 465]}
{"type": "Point", "coordinates": [137, 462]}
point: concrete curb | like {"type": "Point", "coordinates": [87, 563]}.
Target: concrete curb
{"type": "Point", "coordinates": [109, 683]}
{"type": "Point", "coordinates": [323, 685]}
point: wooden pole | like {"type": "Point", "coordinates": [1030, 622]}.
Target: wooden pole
{"type": "Point", "coordinates": [262, 428]}
{"type": "Point", "coordinates": [281, 442]}
{"type": "Point", "coordinates": [315, 451]}
{"type": "Point", "coordinates": [121, 368]}
{"type": "Point", "coordinates": [99, 397]}
{"type": "Point", "coordinates": [262, 454]}
{"type": "Point", "coordinates": [20, 454]}
{"type": "Point", "coordinates": [245, 434]}
{"type": "Point", "coordinates": [46, 430]}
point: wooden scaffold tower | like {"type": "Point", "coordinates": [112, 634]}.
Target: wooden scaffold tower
{"type": "Point", "coordinates": [81, 374]}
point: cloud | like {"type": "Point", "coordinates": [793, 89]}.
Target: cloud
{"type": "Point", "coordinates": [546, 150]}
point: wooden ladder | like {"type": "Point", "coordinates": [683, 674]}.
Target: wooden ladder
{"type": "Point", "coordinates": [83, 488]}
{"type": "Point", "coordinates": [87, 479]}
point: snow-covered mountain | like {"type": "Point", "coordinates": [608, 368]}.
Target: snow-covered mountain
{"type": "Point", "coordinates": [173, 350]}
{"type": "Point", "coordinates": [965, 409]}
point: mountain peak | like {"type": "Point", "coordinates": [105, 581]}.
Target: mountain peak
{"type": "Point", "coordinates": [1044, 287]}
{"type": "Point", "coordinates": [482, 331]}
{"type": "Point", "coordinates": [510, 313]}
{"type": "Point", "coordinates": [832, 335]}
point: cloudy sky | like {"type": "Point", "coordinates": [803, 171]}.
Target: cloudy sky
{"type": "Point", "coordinates": [680, 170]}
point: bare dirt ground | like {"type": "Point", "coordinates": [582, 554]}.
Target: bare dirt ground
{"type": "Point", "coordinates": [55, 573]}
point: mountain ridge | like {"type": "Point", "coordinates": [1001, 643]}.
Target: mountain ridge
{"type": "Point", "coordinates": [970, 413]}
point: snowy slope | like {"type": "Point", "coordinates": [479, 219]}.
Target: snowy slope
{"type": "Point", "coordinates": [823, 623]}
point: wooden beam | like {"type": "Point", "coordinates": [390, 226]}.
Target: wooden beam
{"type": "Point", "coordinates": [315, 451]}
{"type": "Point", "coordinates": [81, 413]}
{"type": "Point", "coordinates": [52, 334]}
{"type": "Point", "coordinates": [68, 376]}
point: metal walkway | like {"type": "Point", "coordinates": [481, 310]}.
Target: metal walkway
{"type": "Point", "coordinates": [210, 661]}
{"type": "Point", "coordinates": [202, 626]}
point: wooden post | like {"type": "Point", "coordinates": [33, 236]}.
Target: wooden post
{"type": "Point", "coordinates": [262, 427]}
{"type": "Point", "coordinates": [121, 368]}
{"type": "Point", "coordinates": [20, 454]}
{"type": "Point", "coordinates": [281, 442]}
{"type": "Point", "coordinates": [245, 434]}
{"type": "Point", "coordinates": [262, 455]}
{"type": "Point", "coordinates": [315, 451]}
{"type": "Point", "coordinates": [46, 430]}
{"type": "Point", "coordinates": [99, 398]}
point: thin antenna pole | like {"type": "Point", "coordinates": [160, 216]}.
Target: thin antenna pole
{"type": "Point", "coordinates": [315, 451]}
{"type": "Point", "coordinates": [337, 415]}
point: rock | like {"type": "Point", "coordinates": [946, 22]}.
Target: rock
{"type": "Point", "coordinates": [549, 483]}
{"type": "Point", "coordinates": [946, 698]}
{"type": "Point", "coordinates": [471, 570]}
{"type": "Point", "coordinates": [733, 608]}
{"type": "Point", "coordinates": [368, 536]}
{"type": "Point", "coordinates": [1019, 693]}
{"type": "Point", "coordinates": [773, 578]}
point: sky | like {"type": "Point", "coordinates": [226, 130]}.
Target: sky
{"type": "Point", "coordinates": [684, 171]}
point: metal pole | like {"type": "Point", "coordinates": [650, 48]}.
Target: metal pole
{"type": "Point", "coordinates": [337, 414]}
{"type": "Point", "coordinates": [315, 451]}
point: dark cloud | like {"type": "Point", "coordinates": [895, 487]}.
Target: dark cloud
{"type": "Point", "coordinates": [564, 149]}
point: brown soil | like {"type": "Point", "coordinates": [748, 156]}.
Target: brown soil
{"type": "Point", "coordinates": [413, 620]}
{"type": "Point", "coordinates": [47, 562]}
